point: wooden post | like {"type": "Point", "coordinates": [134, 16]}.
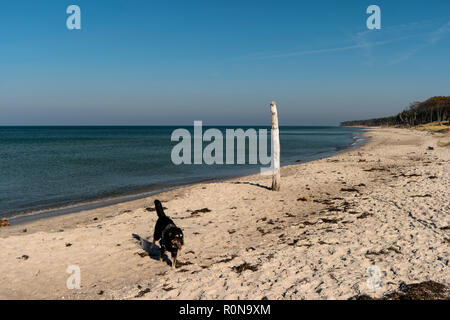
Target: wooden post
{"type": "Point", "coordinates": [276, 179]}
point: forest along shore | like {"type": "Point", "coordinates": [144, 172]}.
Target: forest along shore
{"type": "Point", "coordinates": [384, 205]}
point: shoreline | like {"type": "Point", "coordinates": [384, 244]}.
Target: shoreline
{"type": "Point", "coordinates": [384, 204]}
{"type": "Point", "coordinates": [79, 206]}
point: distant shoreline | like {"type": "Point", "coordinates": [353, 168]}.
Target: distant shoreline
{"type": "Point", "coordinates": [434, 109]}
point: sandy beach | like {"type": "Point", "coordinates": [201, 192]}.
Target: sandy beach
{"type": "Point", "coordinates": [385, 204]}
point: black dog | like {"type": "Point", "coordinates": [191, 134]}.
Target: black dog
{"type": "Point", "coordinates": [170, 236]}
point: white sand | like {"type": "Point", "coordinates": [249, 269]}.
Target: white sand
{"type": "Point", "coordinates": [399, 221]}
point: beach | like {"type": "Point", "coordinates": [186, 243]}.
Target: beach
{"type": "Point", "coordinates": [383, 206]}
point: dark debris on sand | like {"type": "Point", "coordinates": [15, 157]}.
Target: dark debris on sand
{"type": "Point", "coordinates": [421, 196]}
{"type": "Point", "coordinates": [350, 190]}
{"type": "Point", "coordinates": [245, 266]}
{"type": "Point", "coordinates": [204, 210]}
{"type": "Point", "coordinates": [376, 169]}
{"type": "Point", "coordinates": [4, 223]}
{"type": "Point", "coordinates": [225, 260]}
{"type": "Point", "coordinates": [182, 264]}
{"type": "Point", "coordinates": [428, 290]}
{"type": "Point", "coordinates": [383, 251]}
{"type": "Point", "coordinates": [142, 293]}
{"type": "Point", "coordinates": [324, 220]}
{"type": "Point", "coordinates": [168, 288]}
{"type": "Point", "coordinates": [364, 215]}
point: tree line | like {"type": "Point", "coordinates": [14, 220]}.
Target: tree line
{"type": "Point", "coordinates": [431, 110]}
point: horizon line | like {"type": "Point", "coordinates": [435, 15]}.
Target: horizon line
{"type": "Point", "coordinates": [161, 125]}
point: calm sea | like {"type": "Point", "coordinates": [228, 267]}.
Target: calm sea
{"type": "Point", "coordinates": [44, 168]}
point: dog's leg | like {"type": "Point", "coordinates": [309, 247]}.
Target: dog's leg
{"type": "Point", "coordinates": [153, 245]}
{"type": "Point", "coordinates": [161, 253]}
{"type": "Point", "coordinates": [174, 260]}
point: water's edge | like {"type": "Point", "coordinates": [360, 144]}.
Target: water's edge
{"type": "Point", "coordinates": [20, 218]}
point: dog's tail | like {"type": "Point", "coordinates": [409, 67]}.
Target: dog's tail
{"type": "Point", "coordinates": [136, 236]}
{"type": "Point", "coordinates": [159, 209]}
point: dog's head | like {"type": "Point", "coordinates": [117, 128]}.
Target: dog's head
{"type": "Point", "coordinates": [176, 238]}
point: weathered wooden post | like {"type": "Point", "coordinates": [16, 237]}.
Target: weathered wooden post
{"type": "Point", "coordinates": [276, 179]}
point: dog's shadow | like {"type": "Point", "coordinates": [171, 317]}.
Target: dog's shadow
{"type": "Point", "coordinates": [153, 254]}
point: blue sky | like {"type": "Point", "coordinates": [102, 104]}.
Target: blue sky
{"type": "Point", "coordinates": [144, 62]}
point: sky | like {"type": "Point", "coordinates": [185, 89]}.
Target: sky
{"type": "Point", "coordinates": [144, 62]}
